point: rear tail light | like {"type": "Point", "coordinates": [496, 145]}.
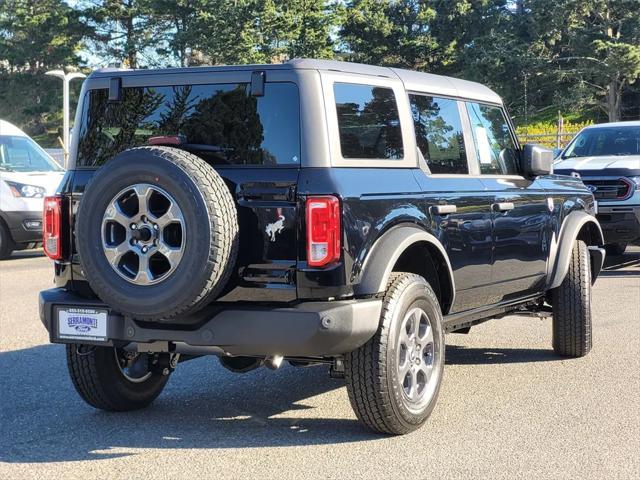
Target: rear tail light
{"type": "Point", "coordinates": [52, 227]}
{"type": "Point", "coordinates": [323, 230]}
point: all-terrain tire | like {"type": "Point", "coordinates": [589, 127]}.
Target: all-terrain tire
{"type": "Point", "coordinates": [6, 242]}
{"type": "Point", "coordinates": [210, 243]}
{"type": "Point", "coordinates": [376, 391]}
{"type": "Point", "coordinates": [102, 384]}
{"type": "Point", "coordinates": [571, 303]}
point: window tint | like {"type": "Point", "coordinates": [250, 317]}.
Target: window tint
{"type": "Point", "coordinates": [368, 121]}
{"type": "Point", "coordinates": [495, 148]}
{"type": "Point", "coordinates": [439, 133]}
{"type": "Point", "coordinates": [221, 123]}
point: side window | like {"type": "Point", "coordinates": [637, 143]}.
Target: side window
{"type": "Point", "coordinates": [439, 133]}
{"type": "Point", "coordinates": [368, 122]}
{"type": "Point", "coordinates": [495, 148]}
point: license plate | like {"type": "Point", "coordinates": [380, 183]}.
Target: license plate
{"type": "Point", "coordinates": [82, 324]}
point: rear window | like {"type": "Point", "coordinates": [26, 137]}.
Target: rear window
{"type": "Point", "coordinates": [368, 121]}
{"type": "Point", "coordinates": [221, 123]}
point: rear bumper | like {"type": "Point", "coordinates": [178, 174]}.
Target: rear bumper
{"type": "Point", "coordinates": [25, 226]}
{"type": "Point", "coordinates": [620, 224]}
{"type": "Point", "coordinates": [307, 329]}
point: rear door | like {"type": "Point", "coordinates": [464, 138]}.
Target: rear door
{"type": "Point", "coordinates": [251, 137]}
{"type": "Point", "coordinates": [520, 208]}
{"type": "Point", "coordinates": [459, 207]}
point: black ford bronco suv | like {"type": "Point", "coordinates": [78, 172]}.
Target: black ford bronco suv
{"type": "Point", "coordinates": [313, 211]}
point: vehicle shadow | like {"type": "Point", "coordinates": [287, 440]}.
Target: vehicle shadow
{"type": "Point", "coordinates": [203, 406]}
{"type": "Point", "coordinates": [459, 355]}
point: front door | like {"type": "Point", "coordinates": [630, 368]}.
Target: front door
{"type": "Point", "coordinates": [520, 210]}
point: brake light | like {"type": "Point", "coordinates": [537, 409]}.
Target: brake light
{"type": "Point", "coordinates": [323, 230]}
{"type": "Point", "coordinates": [52, 227]}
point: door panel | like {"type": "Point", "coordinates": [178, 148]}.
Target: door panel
{"type": "Point", "coordinates": [465, 234]}
{"type": "Point", "coordinates": [520, 237]}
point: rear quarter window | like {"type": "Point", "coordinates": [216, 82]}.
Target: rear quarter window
{"type": "Point", "coordinates": [221, 123]}
{"type": "Point", "coordinates": [439, 133]}
{"type": "Point", "coordinates": [368, 122]}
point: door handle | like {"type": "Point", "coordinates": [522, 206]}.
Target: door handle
{"type": "Point", "coordinates": [502, 206]}
{"type": "Point", "coordinates": [443, 209]}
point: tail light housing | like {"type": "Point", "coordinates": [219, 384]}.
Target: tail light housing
{"type": "Point", "coordinates": [323, 230]}
{"type": "Point", "coordinates": [52, 227]}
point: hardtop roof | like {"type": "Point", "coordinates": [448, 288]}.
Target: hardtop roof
{"type": "Point", "coordinates": [413, 81]}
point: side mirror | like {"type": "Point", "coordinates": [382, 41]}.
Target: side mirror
{"type": "Point", "coordinates": [536, 160]}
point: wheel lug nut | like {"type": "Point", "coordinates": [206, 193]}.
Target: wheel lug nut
{"type": "Point", "coordinates": [155, 226]}
{"type": "Point", "coordinates": [134, 226]}
{"type": "Point", "coordinates": [144, 249]}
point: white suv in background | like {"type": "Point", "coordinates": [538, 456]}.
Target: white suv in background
{"type": "Point", "coordinates": [607, 159]}
{"type": "Point", "coordinates": [27, 175]}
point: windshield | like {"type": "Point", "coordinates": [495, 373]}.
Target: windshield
{"type": "Point", "coordinates": [21, 154]}
{"type": "Point", "coordinates": [605, 141]}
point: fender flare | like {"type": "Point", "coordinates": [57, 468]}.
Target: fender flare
{"type": "Point", "coordinates": [385, 252]}
{"type": "Point", "coordinates": [560, 256]}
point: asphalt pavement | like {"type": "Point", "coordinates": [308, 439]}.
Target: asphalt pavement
{"type": "Point", "coordinates": [508, 408]}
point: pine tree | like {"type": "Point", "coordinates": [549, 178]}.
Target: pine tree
{"type": "Point", "coordinates": [40, 34]}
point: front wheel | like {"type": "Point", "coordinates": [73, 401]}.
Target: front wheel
{"type": "Point", "coordinates": [393, 380]}
{"type": "Point", "coordinates": [112, 379]}
{"type": "Point", "coordinates": [571, 303]}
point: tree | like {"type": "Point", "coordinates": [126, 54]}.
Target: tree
{"type": "Point", "coordinates": [178, 20]}
{"type": "Point", "coordinates": [612, 30]}
{"type": "Point", "coordinates": [37, 35]}
{"type": "Point", "coordinates": [125, 31]}
{"type": "Point", "coordinates": [310, 22]}
{"type": "Point", "coordinates": [394, 33]}
{"type": "Point", "coordinates": [592, 45]}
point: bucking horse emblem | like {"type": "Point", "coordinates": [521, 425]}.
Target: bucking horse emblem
{"type": "Point", "coordinates": [274, 228]}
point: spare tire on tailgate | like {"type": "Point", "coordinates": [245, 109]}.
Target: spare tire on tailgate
{"type": "Point", "coordinates": [157, 233]}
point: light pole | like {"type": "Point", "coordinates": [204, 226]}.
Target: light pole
{"type": "Point", "coordinates": [66, 78]}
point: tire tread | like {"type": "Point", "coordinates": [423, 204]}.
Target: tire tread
{"type": "Point", "coordinates": [224, 231]}
{"type": "Point", "coordinates": [366, 367]}
{"type": "Point", "coordinates": [572, 330]}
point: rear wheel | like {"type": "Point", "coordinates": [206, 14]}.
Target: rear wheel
{"type": "Point", "coordinates": [571, 303]}
{"type": "Point", "coordinates": [6, 242]}
{"type": "Point", "coordinates": [112, 379]}
{"type": "Point", "coordinates": [393, 380]}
